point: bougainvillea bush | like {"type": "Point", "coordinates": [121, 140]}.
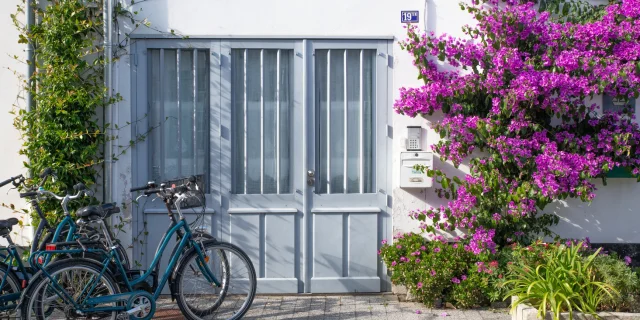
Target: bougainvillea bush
{"type": "Point", "coordinates": [520, 94]}
{"type": "Point", "coordinates": [434, 270]}
{"type": "Point", "coordinates": [437, 271]}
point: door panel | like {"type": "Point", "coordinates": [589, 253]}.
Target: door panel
{"type": "Point", "coordinates": [347, 140]}
{"type": "Point", "coordinates": [262, 193]}
{"type": "Point", "coordinates": [176, 103]}
{"type": "Point", "coordinates": [270, 240]}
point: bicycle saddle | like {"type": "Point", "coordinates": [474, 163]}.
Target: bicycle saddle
{"type": "Point", "coordinates": [97, 212]}
{"type": "Point", "coordinates": [6, 225]}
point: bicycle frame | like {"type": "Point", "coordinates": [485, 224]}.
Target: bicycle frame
{"type": "Point", "coordinates": [175, 228]}
{"type": "Point", "coordinates": [44, 225]}
{"type": "Point", "coordinates": [12, 255]}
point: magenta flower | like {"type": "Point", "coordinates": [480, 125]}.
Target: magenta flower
{"type": "Point", "coordinates": [627, 260]}
{"type": "Point", "coordinates": [419, 285]}
{"type": "Point", "coordinates": [526, 155]}
{"type": "Point", "coordinates": [433, 273]}
{"type": "Point", "coordinates": [393, 263]}
{"type": "Point", "coordinates": [436, 249]}
{"type": "Point", "coordinates": [399, 246]}
{"type": "Point", "coordinates": [418, 260]}
{"type": "Point", "coordinates": [455, 280]}
{"type": "Point", "coordinates": [384, 241]}
{"type": "Point", "coordinates": [423, 248]}
{"type": "Point", "coordinates": [418, 312]}
{"type": "Point", "coordinates": [463, 277]}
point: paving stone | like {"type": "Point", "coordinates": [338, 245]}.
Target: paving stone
{"type": "Point", "coordinates": [345, 307]}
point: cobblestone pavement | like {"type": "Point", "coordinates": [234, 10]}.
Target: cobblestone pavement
{"type": "Point", "coordinates": [374, 306]}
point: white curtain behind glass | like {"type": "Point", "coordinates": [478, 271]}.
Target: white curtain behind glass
{"type": "Point", "coordinates": [345, 135]}
{"type": "Point", "coordinates": [261, 108]}
{"type": "Point", "coordinates": [178, 113]}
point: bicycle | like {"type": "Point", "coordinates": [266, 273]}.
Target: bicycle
{"type": "Point", "coordinates": [67, 228]}
{"type": "Point", "coordinates": [14, 273]}
{"type": "Point", "coordinates": [103, 297]}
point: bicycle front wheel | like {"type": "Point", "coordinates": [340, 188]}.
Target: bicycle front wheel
{"type": "Point", "coordinates": [9, 285]}
{"type": "Point", "coordinates": [43, 299]}
{"type": "Point", "coordinates": [228, 296]}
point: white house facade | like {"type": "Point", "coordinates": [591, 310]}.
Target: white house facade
{"type": "Point", "coordinates": [283, 109]}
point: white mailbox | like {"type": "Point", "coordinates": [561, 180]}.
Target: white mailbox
{"type": "Point", "coordinates": [411, 178]}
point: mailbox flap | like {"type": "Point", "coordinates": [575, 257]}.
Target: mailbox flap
{"type": "Point", "coordinates": [411, 163]}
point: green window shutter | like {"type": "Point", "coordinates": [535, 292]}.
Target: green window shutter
{"type": "Point", "coordinates": [619, 172]}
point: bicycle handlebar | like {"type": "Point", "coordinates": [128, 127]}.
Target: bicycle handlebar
{"type": "Point", "coordinates": [53, 195]}
{"type": "Point", "coordinates": [138, 189]}
{"type": "Point", "coordinates": [16, 181]}
{"type": "Point", "coordinates": [6, 182]}
{"type": "Point", "coordinates": [28, 194]}
{"type": "Point", "coordinates": [149, 185]}
{"type": "Point", "coordinates": [152, 191]}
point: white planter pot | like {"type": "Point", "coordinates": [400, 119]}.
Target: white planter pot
{"type": "Point", "coordinates": [527, 312]}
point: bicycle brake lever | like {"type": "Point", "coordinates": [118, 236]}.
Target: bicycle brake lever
{"type": "Point", "coordinates": [140, 196]}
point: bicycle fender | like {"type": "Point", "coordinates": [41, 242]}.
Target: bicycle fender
{"type": "Point", "coordinates": [181, 262]}
{"type": "Point", "coordinates": [196, 234]}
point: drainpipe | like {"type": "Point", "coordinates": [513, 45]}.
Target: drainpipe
{"type": "Point", "coordinates": [31, 66]}
{"type": "Point", "coordinates": [107, 111]}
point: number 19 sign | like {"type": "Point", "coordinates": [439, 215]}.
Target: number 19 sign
{"type": "Point", "coordinates": [409, 16]}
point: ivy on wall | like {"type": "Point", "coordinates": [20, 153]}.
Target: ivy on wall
{"type": "Point", "coordinates": [63, 131]}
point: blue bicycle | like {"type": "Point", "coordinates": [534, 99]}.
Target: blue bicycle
{"type": "Point", "coordinates": [14, 274]}
{"type": "Point", "coordinates": [211, 280]}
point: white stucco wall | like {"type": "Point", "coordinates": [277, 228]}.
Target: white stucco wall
{"type": "Point", "coordinates": [11, 162]}
{"type": "Point", "coordinates": [606, 220]}
{"type": "Point", "coordinates": [332, 18]}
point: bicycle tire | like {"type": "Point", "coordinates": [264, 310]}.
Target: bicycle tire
{"type": "Point", "coordinates": [39, 281]}
{"type": "Point", "coordinates": [187, 312]}
{"type": "Point", "coordinates": [12, 281]}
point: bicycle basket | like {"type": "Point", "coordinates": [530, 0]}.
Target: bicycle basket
{"type": "Point", "coordinates": [197, 198]}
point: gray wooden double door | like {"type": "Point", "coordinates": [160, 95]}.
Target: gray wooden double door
{"type": "Point", "coordinates": [292, 142]}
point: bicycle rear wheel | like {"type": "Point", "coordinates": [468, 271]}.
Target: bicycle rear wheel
{"type": "Point", "coordinates": [200, 298]}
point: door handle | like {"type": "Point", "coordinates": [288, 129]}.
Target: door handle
{"type": "Point", "coordinates": [311, 178]}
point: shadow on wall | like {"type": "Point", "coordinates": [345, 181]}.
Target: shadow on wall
{"type": "Point", "coordinates": [612, 217]}
{"type": "Point", "coordinates": [430, 15]}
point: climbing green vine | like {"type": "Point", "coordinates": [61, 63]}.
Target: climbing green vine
{"type": "Point", "coordinates": [63, 131]}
